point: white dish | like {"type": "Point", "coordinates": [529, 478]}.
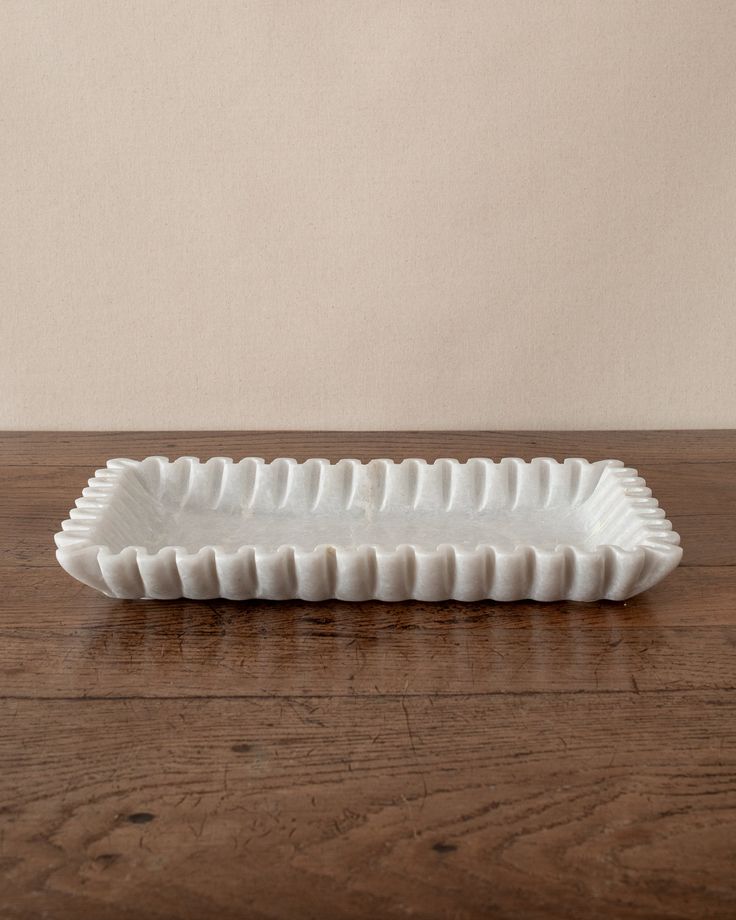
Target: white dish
{"type": "Point", "coordinates": [382, 530]}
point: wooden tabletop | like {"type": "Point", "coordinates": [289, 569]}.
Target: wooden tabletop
{"type": "Point", "coordinates": [219, 759]}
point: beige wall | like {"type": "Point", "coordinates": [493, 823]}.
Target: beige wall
{"type": "Point", "coordinates": [368, 214]}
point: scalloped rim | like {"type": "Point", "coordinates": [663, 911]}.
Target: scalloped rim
{"type": "Point", "coordinates": [369, 571]}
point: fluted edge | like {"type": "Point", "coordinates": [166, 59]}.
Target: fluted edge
{"type": "Point", "coordinates": [373, 572]}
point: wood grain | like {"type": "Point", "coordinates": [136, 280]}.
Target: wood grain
{"type": "Point", "coordinates": [53, 448]}
{"type": "Point", "coordinates": [459, 807]}
{"type": "Point", "coordinates": [215, 759]}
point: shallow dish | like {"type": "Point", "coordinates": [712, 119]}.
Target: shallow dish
{"type": "Point", "coordinates": [381, 530]}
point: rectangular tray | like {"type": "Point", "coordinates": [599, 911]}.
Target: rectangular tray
{"type": "Point", "coordinates": [381, 530]}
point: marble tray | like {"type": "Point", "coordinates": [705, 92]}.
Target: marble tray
{"type": "Point", "coordinates": [381, 530]}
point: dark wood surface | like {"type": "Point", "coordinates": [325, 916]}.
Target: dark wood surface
{"type": "Point", "coordinates": [220, 759]}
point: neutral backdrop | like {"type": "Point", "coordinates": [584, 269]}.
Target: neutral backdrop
{"type": "Point", "coordinates": [370, 214]}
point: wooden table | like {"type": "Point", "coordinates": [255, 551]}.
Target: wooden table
{"type": "Point", "coordinates": [219, 759]}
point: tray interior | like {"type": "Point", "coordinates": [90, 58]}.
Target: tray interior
{"type": "Point", "coordinates": [188, 504]}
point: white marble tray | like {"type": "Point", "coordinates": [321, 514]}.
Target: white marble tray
{"type": "Point", "coordinates": [387, 531]}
